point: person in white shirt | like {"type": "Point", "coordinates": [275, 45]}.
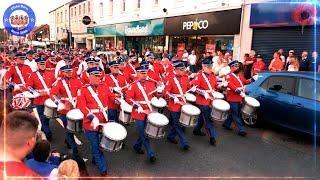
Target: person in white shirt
{"type": "Point", "coordinates": [192, 60]}
{"type": "Point", "coordinates": [31, 62]}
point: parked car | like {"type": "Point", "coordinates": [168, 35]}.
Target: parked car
{"type": "Point", "coordinates": [288, 99]}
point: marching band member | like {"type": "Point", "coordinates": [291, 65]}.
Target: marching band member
{"type": "Point", "coordinates": [130, 68]}
{"type": "Point", "coordinates": [122, 63]}
{"type": "Point", "coordinates": [40, 82]}
{"type": "Point", "coordinates": [152, 73]}
{"type": "Point", "coordinates": [158, 67]}
{"type": "Point", "coordinates": [235, 95]}
{"type": "Point", "coordinates": [2, 73]}
{"type": "Point", "coordinates": [18, 73]}
{"type": "Point", "coordinates": [67, 88]}
{"type": "Point", "coordinates": [206, 84]}
{"type": "Point", "coordinates": [90, 62]}
{"type": "Point", "coordinates": [52, 62]}
{"type": "Point", "coordinates": [30, 61]}
{"type": "Point", "coordinates": [115, 81]}
{"type": "Point", "coordinates": [67, 60]}
{"type": "Point", "coordinates": [175, 89]}
{"type": "Point", "coordinates": [93, 102]}
{"type": "Point", "coordinates": [138, 96]}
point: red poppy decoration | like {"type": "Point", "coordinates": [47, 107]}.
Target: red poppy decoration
{"type": "Point", "coordinates": [304, 14]}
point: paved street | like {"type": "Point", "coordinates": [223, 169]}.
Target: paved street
{"type": "Point", "coordinates": [263, 153]}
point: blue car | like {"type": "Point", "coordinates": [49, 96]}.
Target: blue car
{"type": "Point", "coordinates": [287, 99]}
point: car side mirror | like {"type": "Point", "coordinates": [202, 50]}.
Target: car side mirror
{"type": "Point", "coordinates": [276, 87]}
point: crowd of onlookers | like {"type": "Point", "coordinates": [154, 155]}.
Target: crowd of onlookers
{"type": "Point", "coordinates": [26, 154]}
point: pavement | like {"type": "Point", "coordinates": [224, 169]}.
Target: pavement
{"type": "Point", "coordinates": [265, 153]}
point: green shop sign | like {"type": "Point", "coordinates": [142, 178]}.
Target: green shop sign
{"type": "Point", "coordinates": [141, 28]}
{"type": "Point", "coordinates": [90, 30]}
{"type": "Point", "coordinates": [107, 30]}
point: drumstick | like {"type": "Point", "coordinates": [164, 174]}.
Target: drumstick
{"type": "Point", "coordinates": [191, 88]}
{"type": "Point", "coordinates": [148, 78]}
{"type": "Point", "coordinates": [36, 114]}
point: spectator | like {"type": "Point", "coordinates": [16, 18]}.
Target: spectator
{"type": "Point", "coordinates": [282, 56]}
{"type": "Point", "coordinates": [291, 54]}
{"type": "Point", "coordinates": [228, 57]}
{"type": "Point", "coordinates": [304, 62]}
{"type": "Point", "coordinates": [40, 163]}
{"type": "Point", "coordinates": [258, 66]}
{"type": "Point", "coordinates": [185, 57]}
{"type": "Point", "coordinates": [192, 60]}
{"type": "Point", "coordinates": [293, 64]}
{"type": "Point", "coordinates": [276, 63]}
{"type": "Point", "coordinates": [19, 137]}
{"type": "Point", "coordinates": [314, 65]}
{"type": "Point", "coordinates": [247, 65]}
{"type": "Point", "coordinates": [67, 169]}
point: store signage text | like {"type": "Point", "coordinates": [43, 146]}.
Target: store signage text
{"type": "Point", "coordinates": [137, 30]}
{"type": "Point", "coordinates": [195, 25]}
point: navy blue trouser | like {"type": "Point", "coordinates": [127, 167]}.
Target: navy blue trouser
{"type": "Point", "coordinates": [44, 121]}
{"type": "Point", "coordinates": [142, 139]}
{"type": "Point", "coordinates": [97, 154]}
{"type": "Point", "coordinates": [113, 115]}
{"type": "Point", "coordinates": [176, 129]}
{"type": "Point", "coordinates": [234, 116]}
{"type": "Point", "coordinates": [69, 135]}
{"type": "Point", "coordinates": [205, 119]}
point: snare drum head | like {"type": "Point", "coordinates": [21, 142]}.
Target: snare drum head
{"type": "Point", "coordinates": [158, 119]}
{"type": "Point", "coordinates": [75, 114]}
{"type": "Point", "coordinates": [158, 102]}
{"type": "Point", "coordinates": [126, 107]}
{"type": "Point", "coordinates": [221, 105]}
{"type": "Point", "coordinates": [190, 109]}
{"type": "Point", "coordinates": [50, 103]}
{"type": "Point", "coordinates": [190, 97]}
{"type": "Point", "coordinates": [114, 131]}
{"type": "Point", "coordinates": [252, 101]}
{"type": "Point", "coordinates": [218, 95]}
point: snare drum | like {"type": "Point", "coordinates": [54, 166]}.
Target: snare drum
{"type": "Point", "coordinates": [50, 109]}
{"type": "Point", "coordinates": [158, 104]}
{"type": "Point", "coordinates": [217, 95]}
{"type": "Point", "coordinates": [190, 98]}
{"type": "Point", "coordinates": [74, 120]}
{"type": "Point", "coordinates": [126, 116]}
{"type": "Point", "coordinates": [113, 135]}
{"type": "Point", "coordinates": [189, 115]}
{"type": "Point", "coordinates": [250, 105]}
{"type": "Point", "coordinates": [220, 109]}
{"type": "Point", "coordinates": [156, 124]}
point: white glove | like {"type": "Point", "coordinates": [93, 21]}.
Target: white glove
{"type": "Point", "coordinates": [193, 89]}
{"type": "Point", "coordinates": [121, 101]}
{"type": "Point", "coordinates": [140, 110]}
{"type": "Point", "coordinates": [16, 88]}
{"type": "Point", "coordinates": [242, 94]}
{"type": "Point", "coordinates": [61, 106]}
{"type": "Point", "coordinates": [175, 100]}
{"type": "Point", "coordinates": [95, 122]}
{"type": "Point", "coordinates": [224, 84]}
{"type": "Point", "coordinates": [206, 95]}
{"type": "Point", "coordinates": [160, 89]}
{"type": "Point", "coordinates": [117, 89]}
{"type": "Point", "coordinates": [36, 94]}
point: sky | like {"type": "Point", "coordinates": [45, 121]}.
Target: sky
{"type": "Point", "coordinates": [41, 8]}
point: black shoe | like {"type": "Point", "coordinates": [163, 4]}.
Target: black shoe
{"type": "Point", "coordinates": [103, 174]}
{"type": "Point", "coordinates": [173, 141]}
{"type": "Point", "coordinates": [242, 133]}
{"type": "Point", "coordinates": [198, 133]}
{"type": "Point", "coordinates": [138, 150]}
{"type": "Point", "coordinates": [67, 143]}
{"type": "Point", "coordinates": [225, 127]}
{"type": "Point", "coordinates": [186, 147]}
{"type": "Point", "coordinates": [213, 141]}
{"type": "Point", "coordinates": [49, 138]}
{"type": "Point", "coordinates": [153, 159]}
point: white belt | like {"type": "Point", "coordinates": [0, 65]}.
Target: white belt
{"type": "Point", "coordinates": [98, 110]}
{"type": "Point", "coordinates": [42, 90]}
{"type": "Point", "coordinates": [177, 95]}
{"type": "Point", "coordinates": [142, 102]}
{"type": "Point", "coordinates": [66, 99]}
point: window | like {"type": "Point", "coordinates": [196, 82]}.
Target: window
{"type": "Point", "coordinates": [309, 89]}
{"type": "Point", "coordinates": [65, 15]}
{"type": "Point", "coordinates": [75, 11]}
{"type": "Point", "coordinates": [57, 17]}
{"type": "Point", "coordinates": [156, 2]}
{"type": "Point", "coordinates": [84, 9]}
{"type": "Point", "coordinates": [71, 12]}
{"type": "Point", "coordinates": [281, 84]}
{"type": "Point", "coordinates": [123, 5]}
{"type": "Point", "coordinates": [101, 9]}
{"type": "Point", "coordinates": [89, 7]}
{"type": "Point", "coordinates": [57, 30]}
{"type": "Point", "coordinates": [79, 9]}
{"type": "Point", "coordinates": [111, 7]}
{"type": "Point", "coordinates": [138, 4]}
{"type": "Point", "coordinates": [61, 16]}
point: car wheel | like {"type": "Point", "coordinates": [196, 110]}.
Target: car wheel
{"type": "Point", "coordinates": [250, 120]}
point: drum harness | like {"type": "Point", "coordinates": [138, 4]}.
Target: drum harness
{"type": "Point", "coordinates": [144, 95]}
{"type": "Point", "coordinates": [96, 98]}
{"type": "Point", "coordinates": [64, 83]}
{"type": "Point", "coordinates": [20, 75]}
{"type": "Point", "coordinates": [208, 84]}
{"type": "Point", "coordinates": [180, 89]}
{"type": "Point", "coordinates": [43, 83]}
{"type": "Point", "coordinates": [117, 84]}
{"type": "Point", "coordinates": [242, 87]}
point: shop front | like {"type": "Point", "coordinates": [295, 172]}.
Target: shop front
{"type": "Point", "coordinates": [288, 27]}
{"type": "Point", "coordinates": [105, 37]}
{"type": "Point", "coordinates": [139, 35]}
{"type": "Point", "coordinates": [205, 32]}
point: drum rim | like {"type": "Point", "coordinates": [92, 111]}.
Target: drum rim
{"type": "Point", "coordinates": [46, 104]}
{"type": "Point", "coordinates": [252, 99]}
{"type": "Point", "coordinates": [68, 114]}
{"type": "Point", "coordinates": [158, 125]}
{"type": "Point", "coordinates": [194, 97]}
{"type": "Point", "coordinates": [160, 99]}
{"type": "Point", "coordinates": [107, 133]}
{"type": "Point", "coordinates": [214, 102]}
{"type": "Point", "coordinates": [193, 114]}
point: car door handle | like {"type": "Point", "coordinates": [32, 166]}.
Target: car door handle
{"type": "Point", "coordinates": [299, 105]}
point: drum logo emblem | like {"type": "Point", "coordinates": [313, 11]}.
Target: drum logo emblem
{"type": "Point", "coordinates": [19, 19]}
